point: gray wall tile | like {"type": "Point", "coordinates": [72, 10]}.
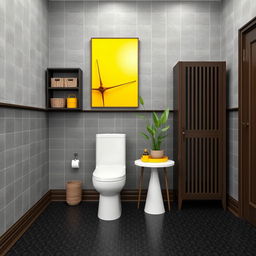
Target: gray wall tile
{"type": "Point", "coordinates": [168, 32]}
{"type": "Point", "coordinates": [80, 136]}
{"type": "Point", "coordinates": [24, 170]}
{"type": "Point", "coordinates": [233, 154]}
{"type": "Point", "coordinates": [24, 44]}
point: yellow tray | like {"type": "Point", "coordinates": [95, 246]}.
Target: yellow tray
{"type": "Point", "coordinates": [154, 160]}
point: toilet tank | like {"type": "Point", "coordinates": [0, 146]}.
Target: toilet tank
{"type": "Point", "coordinates": [110, 149]}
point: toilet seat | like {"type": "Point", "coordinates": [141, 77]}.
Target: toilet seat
{"type": "Point", "coordinates": [109, 173]}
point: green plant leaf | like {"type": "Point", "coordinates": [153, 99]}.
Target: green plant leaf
{"type": "Point", "coordinates": [145, 135]}
{"type": "Point", "coordinates": [156, 120]}
{"type": "Point", "coordinates": [161, 137]}
{"type": "Point", "coordinates": [141, 101]}
{"type": "Point", "coordinates": [164, 116]}
{"type": "Point", "coordinates": [165, 128]}
{"type": "Point", "coordinates": [150, 130]}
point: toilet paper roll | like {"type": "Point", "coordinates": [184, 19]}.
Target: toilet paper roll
{"type": "Point", "coordinates": [75, 164]}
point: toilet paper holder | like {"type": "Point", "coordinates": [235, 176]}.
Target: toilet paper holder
{"type": "Point", "coordinates": [75, 162]}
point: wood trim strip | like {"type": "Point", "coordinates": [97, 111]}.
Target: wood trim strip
{"type": "Point", "coordinates": [10, 237]}
{"type": "Point", "coordinates": [10, 105]}
{"type": "Point", "coordinates": [233, 205]}
{"type": "Point", "coordinates": [59, 195]}
{"type": "Point", "coordinates": [17, 106]}
{"type": "Point", "coordinates": [124, 110]}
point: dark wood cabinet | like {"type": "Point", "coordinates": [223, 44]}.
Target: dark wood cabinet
{"type": "Point", "coordinates": [200, 130]}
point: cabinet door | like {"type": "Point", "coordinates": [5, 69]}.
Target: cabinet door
{"type": "Point", "coordinates": [203, 130]}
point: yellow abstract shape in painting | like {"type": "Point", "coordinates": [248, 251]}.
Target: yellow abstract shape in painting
{"type": "Point", "coordinates": [114, 72]}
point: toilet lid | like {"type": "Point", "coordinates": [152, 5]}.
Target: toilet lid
{"type": "Point", "coordinates": [109, 173]}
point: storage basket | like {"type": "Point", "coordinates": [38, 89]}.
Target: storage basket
{"type": "Point", "coordinates": [73, 192]}
{"type": "Point", "coordinates": [70, 82]}
{"type": "Point", "coordinates": [57, 82]}
{"type": "Point", "coordinates": [72, 101]}
{"type": "Point", "coordinates": [58, 102]}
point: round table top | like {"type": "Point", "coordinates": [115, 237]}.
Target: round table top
{"type": "Point", "coordinates": [154, 165]}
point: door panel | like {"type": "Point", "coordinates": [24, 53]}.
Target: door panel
{"type": "Point", "coordinates": [248, 126]}
{"type": "Point", "coordinates": [252, 172]}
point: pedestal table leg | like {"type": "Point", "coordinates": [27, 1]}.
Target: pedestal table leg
{"type": "Point", "coordinates": [154, 201]}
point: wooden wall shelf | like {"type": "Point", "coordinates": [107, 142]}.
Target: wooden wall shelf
{"type": "Point", "coordinates": [63, 92]}
{"type": "Point", "coordinates": [64, 88]}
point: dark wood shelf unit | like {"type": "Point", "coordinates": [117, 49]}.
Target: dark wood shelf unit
{"type": "Point", "coordinates": [63, 92]}
{"type": "Point", "coordinates": [64, 109]}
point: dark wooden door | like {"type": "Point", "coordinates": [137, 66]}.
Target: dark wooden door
{"type": "Point", "coordinates": [248, 126]}
{"type": "Point", "coordinates": [203, 125]}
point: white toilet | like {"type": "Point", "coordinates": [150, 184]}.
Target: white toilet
{"type": "Point", "coordinates": [110, 174]}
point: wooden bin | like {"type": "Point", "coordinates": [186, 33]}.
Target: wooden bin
{"type": "Point", "coordinates": [73, 192]}
{"type": "Point", "coordinates": [57, 82]}
{"type": "Point", "coordinates": [70, 82]}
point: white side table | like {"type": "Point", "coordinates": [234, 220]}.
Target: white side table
{"type": "Point", "coordinates": [154, 201]}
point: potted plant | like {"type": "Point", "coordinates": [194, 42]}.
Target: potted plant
{"type": "Point", "coordinates": [155, 131]}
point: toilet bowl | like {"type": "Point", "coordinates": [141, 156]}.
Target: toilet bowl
{"type": "Point", "coordinates": [110, 174]}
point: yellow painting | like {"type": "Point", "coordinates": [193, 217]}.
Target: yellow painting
{"type": "Point", "coordinates": [114, 67]}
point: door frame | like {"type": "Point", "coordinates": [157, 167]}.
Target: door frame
{"type": "Point", "coordinates": [241, 35]}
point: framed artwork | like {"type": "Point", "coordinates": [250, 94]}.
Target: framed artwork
{"type": "Point", "coordinates": [114, 72]}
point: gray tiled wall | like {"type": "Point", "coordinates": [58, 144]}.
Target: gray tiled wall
{"type": "Point", "coordinates": [233, 154]}
{"type": "Point", "coordinates": [24, 174]}
{"type": "Point", "coordinates": [75, 132]}
{"type": "Point", "coordinates": [168, 32]}
{"type": "Point", "coordinates": [23, 51]}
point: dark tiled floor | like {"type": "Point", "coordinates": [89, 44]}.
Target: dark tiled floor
{"type": "Point", "coordinates": [199, 229]}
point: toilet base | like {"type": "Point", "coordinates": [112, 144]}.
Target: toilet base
{"type": "Point", "coordinates": [109, 207]}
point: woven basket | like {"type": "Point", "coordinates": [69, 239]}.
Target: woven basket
{"type": "Point", "coordinates": [58, 102]}
{"type": "Point", "coordinates": [57, 82]}
{"type": "Point", "coordinates": [70, 82]}
{"type": "Point", "coordinates": [73, 192]}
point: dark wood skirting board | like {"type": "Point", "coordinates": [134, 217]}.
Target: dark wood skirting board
{"type": "Point", "coordinates": [233, 205]}
{"type": "Point", "coordinates": [93, 196]}
{"type": "Point", "coordinates": [9, 238]}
